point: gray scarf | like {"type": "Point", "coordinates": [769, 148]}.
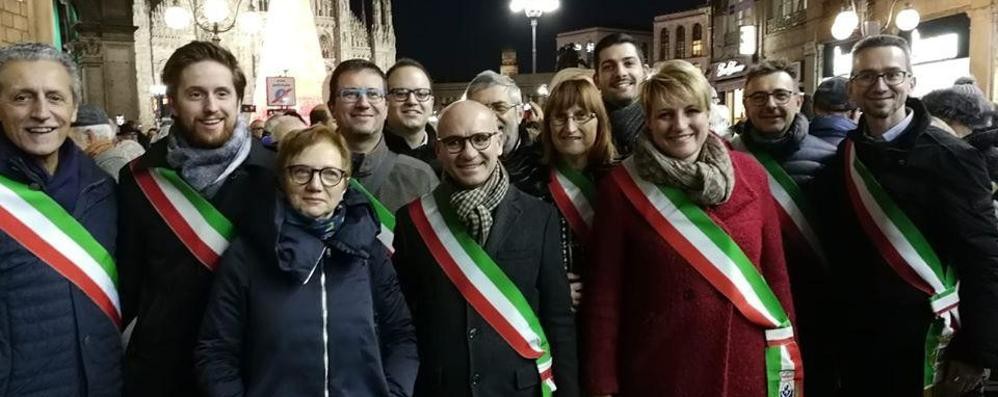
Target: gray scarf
{"type": "Point", "coordinates": [708, 181]}
{"type": "Point", "coordinates": [474, 206]}
{"type": "Point", "coordinates": [203, 169]}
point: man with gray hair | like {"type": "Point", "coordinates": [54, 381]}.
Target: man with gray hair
{"type": "Point", "coordinates": [519, 155]}
{"type": "Point", "coordinates": [94, 133]}
{"type": "Point", "coordinates": [59, 311]}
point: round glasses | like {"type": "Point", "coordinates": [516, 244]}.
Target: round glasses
{"type": "Point", "coordinates": [303, 175]}
{"type": "Point", "coordinates": [891, 77]}
{"type": "Point", "coordinates": [579, 118]}
{"type": "Point", "coordinates": [478, 140]}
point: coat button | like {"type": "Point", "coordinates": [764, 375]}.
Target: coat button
{"type": "Point", "coordinates": [472, 333]}
{"type": "Point", "coordinates": [475, 379]}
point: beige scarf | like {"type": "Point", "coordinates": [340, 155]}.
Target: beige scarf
{"type": "Point", "coordinates": [708, 181]}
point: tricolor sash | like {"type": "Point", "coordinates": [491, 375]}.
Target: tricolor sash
{"type": "Point", "coordinates": [573, 194]}
{"type": "Point", "coordinates": [791, 199]}
{"type": "Point", "coordinates": [711, 251]}
{"type": "Point", "coordinates": [385, 217]}
{"type": "Point", "coordinates": [44, 228]}
{"type": "Point", "coordinates": [482, 282]}
{"type": "Point", "coordinates": [204, 230]}
{"type": "Point", "coordinates": [907, 251]}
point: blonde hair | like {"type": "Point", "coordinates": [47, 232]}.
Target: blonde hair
{"type": "Point", "coordinates": [677, 80]}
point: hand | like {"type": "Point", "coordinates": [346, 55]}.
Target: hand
{"type": "Point", "coordinates": [959, 379]}
{"type": "Point", "coordinates": [575, 285]}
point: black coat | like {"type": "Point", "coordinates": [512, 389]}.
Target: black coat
{"type": "Point", "coordinates": [263, 330]}
{"type": "Point", "coordinates": [941, 184]}
{"type": "Point", "coordinates": [163, 284]}
{"type": "Point", "coordinates": [54, 340]}
{"type": "Point", "coordinates": [462, 355]}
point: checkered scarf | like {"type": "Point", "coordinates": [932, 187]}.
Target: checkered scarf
{"type": "Point", "coordinates": [474, 206]}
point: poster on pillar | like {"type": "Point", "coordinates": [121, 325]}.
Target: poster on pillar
{"type": "Point", "coordinates": [281, 91]}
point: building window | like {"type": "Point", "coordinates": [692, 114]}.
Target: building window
{"type": "Point", "coordinates": [785, 8]}
{"type": "Point", "coordinates": [697, 40]}
{"type": "Point", "coordinates": [680, 42]}
{"type": "Point", "coordinates": [663, 45]}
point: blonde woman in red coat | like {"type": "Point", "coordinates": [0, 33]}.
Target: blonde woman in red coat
{"type": "Point", "coordinates": [656, 323]}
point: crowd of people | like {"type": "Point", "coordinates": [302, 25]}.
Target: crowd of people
{"type": "Point", "coordinates": [622, 240]}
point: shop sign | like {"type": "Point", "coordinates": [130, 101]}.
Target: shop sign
{"type": "Point", "coordinates": [728, 69]}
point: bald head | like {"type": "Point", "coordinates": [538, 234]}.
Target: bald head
{"type": "Point", "coordinates": [285, 124]}
{"type": "Point", "coordinates": [470, 142]}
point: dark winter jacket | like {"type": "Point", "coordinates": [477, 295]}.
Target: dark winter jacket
{"type": "Point", "coordinates": [161, 281]}
{"type": "Point", "coordinates": [281, 291]}
{"type": "Point", "coordinates": [426, 153]}
{"type": "Point", "coordinates": [941, 183]}
{"type": "Point", "coordinates": [831, 128]}
{"type": "Point", "coordinates": [460, 353]}
{"type": "Point", "coordinates": [524, 165]}
{"type": "Point", "coordinates": [803, 156]}
{"type": "Point", "coordinates": [986, 141]}
{"type": "Point", "coordinates": [626, 123]}
{"type": "Point", "coordinates": [54, 341]}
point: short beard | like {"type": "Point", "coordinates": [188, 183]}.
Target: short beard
{"type": "Point", "coordinates": [198, 141]}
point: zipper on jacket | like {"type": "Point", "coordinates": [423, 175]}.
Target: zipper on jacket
{"type": "Point", "coordinates": [325, 329]}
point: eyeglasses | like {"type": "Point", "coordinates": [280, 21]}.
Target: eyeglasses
{"type": "Point", "coordinates": [303, 175]}
{"type": "Point", "coordinates": [579, 118]}
{"type": "Point", "coordinates": [501, 108]}
{"type": "Point", "coordinates": [351, 95]}
{"type": "Point", "coordinates": [891, 77]}
{"type": "Point", "coordinates": [402, 94]}
{"type": "Point", "coordinates": [478, 140]}
{"type": "Point", "coordinates": [780, 97]}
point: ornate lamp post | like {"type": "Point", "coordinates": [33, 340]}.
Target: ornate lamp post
{"type": "Point", "coordinates": [211, 16]}
{"type": "Point", "coordinates": [847, 20]}
{"type": "Point", "coordinates": [533, 9]}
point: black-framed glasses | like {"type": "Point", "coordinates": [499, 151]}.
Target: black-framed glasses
{"type": "Point", "coordinates": [780, 97]}
{"type": "Point", "coordinates": [501, 108]}
{"type": "Point", "coordinates": [402, 94]}
{"type": "Point", "coordinates": [580, 118]}
{"type": "Point", "coordinates": [303, 175]}
{"type": "Point", "coordinates": [478, 140]}
{"type": "Point", "coordinates": [351, 95]}
{"type": "Point", "coordinates": [891, 77]}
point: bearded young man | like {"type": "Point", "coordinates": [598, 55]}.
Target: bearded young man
{"type": "Point", "coordinates": [181, 204]}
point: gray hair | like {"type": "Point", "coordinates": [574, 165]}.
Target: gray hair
{"type": "Point", "coordinates": [103, 131]}
{"type": "Point", "coordinates": [43, 52]}
{"type": "Point", "coordinates": [489, 79]}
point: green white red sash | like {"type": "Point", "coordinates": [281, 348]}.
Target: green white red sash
{"type": "Point", "coordinates": [573, 194]}
{"type": "Point", "coordinates": [384, 215]}
{"type": "Point", "coordinates": [204, 230]}
{"type": "Point", "coordinates": [712, 252]}
{"type": "Point", "coordinates": [791, 199]}
{"type": "Point", "coordinates": [482, 282]}
{"type": "Point", "coordinates": [44, 228]}
{"type": "Point", "coordinates": [907, 251]}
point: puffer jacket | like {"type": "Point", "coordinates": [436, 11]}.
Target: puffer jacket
{"type": "Point", "coordinates": [54, 341]}
{"type": "Point", "coordinates": [281, 292]}
{"type": "Point", "coordinates": [803, 156]}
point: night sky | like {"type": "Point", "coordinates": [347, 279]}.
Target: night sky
{"type": "Point", "coordinates": [456, 39]}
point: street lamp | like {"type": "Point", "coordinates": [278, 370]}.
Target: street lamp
{"type": "Point", "coordinates": [847, 21]}
{"type": "Point", "coordinates": [533, 9]}
{"type": "Point", "coordinates": [211, 16]}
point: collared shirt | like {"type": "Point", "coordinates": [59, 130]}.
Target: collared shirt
{"type": "Point", "coordinates": [895, 131]}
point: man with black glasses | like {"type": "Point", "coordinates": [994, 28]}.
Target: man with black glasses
{"type": "Point", "coordinates": [357, 100]}
{"type": "Point", "coordinates": [410, 105]}
{"type": "Point", "coordinates": [776, 134]}
{"type": "Point", "coordinates": [914, 221]}
{"type": "Point", "coordinates": [480, 264]}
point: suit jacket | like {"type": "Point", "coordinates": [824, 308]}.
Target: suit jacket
{"type": "Point", "coordinates": [462, 355]}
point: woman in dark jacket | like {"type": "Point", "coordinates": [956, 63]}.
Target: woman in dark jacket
{"type": "Point", "coordinates": [578, 151]}
{"type": "Point", "coordinates": [307, 302]}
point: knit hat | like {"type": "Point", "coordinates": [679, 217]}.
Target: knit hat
{"type": "Point", "coordinates": [964, 103]}
{"type": "Point", "coordinates": [831, 95]}
{"type": "Point", "coordinates": [88, 115]}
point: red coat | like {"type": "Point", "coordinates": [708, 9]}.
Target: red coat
{"type": "Point", "coordinates": [653, 325]}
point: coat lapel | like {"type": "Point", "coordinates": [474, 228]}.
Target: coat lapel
{"type": "Point", "coordinates": [505, 217]}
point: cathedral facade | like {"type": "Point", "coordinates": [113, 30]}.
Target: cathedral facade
{"type": "Point", "coordinates": [346, 29]}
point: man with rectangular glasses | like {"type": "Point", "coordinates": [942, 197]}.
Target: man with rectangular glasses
{"type": "Point", "coordinates": [918, 236]}
{"type": "Point", "coordinates": [410, 105]}
{"type": "Point", "coordinates": [357, 99]}
{"type": "Point", "coordinates": [776, 134]}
